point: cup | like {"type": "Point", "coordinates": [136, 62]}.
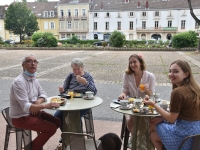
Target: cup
{"type": "Point", "coordinates": [71, 93]}
{"type": "Point", "coordinates": [123, 103]}
{"type": "Point", "coordinates": [89, 94]}
{"type": "Point", "coordinates": [138, 103]}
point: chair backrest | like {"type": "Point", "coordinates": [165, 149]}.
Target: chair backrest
{"type": "Point", "coordinates": [195, 144]}
{"type": "Point", "coordinates": [78, 141]}
{"type": "Point", "coordinates": [5, 113]}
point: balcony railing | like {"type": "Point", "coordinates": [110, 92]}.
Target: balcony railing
{"type": "Point", "coordinates": [68, 17]}
{"type": "Point", "coordinates": [84, 17]}
{"type": "Point", "coordinates": [157, 29]}
{"type": "Point", "coordinates": [76, 17]}
{"type": "Point", "coordinates": [61, 18]}
{"type": "Point", "coordinates": [74, 30]}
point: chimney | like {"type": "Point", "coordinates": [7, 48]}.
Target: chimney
{"type": "Point", "coordinates": [147, 5]}
{"type": "Point", "coordinates": [126, 1]}
{"type": "Point", "coordinates": [138, 6]}
{"type": "Point", "coordinates": [101, 5]}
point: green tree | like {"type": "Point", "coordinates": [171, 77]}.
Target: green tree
{"type": "Point", "coordinates": [185, 39]}
{"type": "Point", "coordinates": [117, 39]}
{"type": "Point", "coordinates": [20, 20]}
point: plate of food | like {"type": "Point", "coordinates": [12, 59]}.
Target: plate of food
{"type": "Point", "coordinates": [58, 100]}
{"type": "Point", "coordinates": [78, 95]}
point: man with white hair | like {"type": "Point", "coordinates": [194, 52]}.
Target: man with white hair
{"type": "Point", "coordinates": [26, 98]}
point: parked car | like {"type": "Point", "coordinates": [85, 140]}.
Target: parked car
{"type": "Point", "coordinates": [99, 43]}
{"type": "Point", "coordinates": [9, 41]}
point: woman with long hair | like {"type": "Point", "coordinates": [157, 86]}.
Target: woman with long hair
{"type": "Point", "coordinates": [183, 119]}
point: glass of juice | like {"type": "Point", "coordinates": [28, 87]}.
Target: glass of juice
{"type": "Point", "coordinates": [142, 86]}
{"type": "Point", "coordinates": [71, 93]}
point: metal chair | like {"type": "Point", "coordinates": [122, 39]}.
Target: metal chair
{"type": "Point", "coordinates": [78, 141]}
{"type": "Point", "coordinates": [22, 136]}
{"type": "Point", "coordinates": [89, 125]}
{"type": "Point", "coordinates": [195, 144]}
{"type": "Point", "coordinates": [124, 133]}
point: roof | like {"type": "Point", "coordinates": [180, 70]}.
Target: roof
{"type": "Point", "coordinates": [120, 5]}
{"type": "Point", "coordinates": [40, 7]}
{"type": "Point", "coordinates": [73, 1]}
{"type": "Point", "coordinates": [2, 12]}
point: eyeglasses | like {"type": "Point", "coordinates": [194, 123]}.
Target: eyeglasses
{"type": "Point", "coordinates": [31, 61]}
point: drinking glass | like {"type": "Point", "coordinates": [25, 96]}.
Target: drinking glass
{"type": "Point", "coordinates": [71, 93]}
{"type": "Point", "coordinates": [142, 86]}
{"type": "Point", "coordinates": [68, 97]}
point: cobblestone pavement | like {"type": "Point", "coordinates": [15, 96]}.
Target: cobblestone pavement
{"type": "Point", "coordinates": [106, 67]}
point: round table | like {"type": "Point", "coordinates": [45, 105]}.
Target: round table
{"type": "Point", "coordinates": [141, 139]}
{"type": "Point", "coordinates": [71, 113]}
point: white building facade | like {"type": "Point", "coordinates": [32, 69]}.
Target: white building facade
{"type": "Point", "coordinates": [141, 20]}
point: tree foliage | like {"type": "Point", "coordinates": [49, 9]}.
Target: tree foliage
{"type": "Point", "coordinates": [20, 20]}
{"type": "Point", "coordinates": [185, 39]}
{"type": "Point", "coordinates": [46, 39]}
{"type": "Point", "coordinates": [117, 39]}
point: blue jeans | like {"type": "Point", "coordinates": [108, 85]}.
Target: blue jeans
{"type": "Point", "coordinates": [59, 114]}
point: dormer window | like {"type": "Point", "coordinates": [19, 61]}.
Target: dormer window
{"type": "Point", "coordinates": [45, 14]}
{"type": "Point", "coordinates": [51, 14]}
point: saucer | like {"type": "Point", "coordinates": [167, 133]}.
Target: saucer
{"type": "Point", "coordinates": [87, 98]}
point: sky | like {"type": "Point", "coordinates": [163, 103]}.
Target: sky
{"type": "Point", "coordinates": [8, 2]}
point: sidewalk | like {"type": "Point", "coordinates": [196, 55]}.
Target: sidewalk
{"type": "Point", "coordinates": [101, 128]}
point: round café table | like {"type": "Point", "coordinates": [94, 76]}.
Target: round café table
{"type": "Point", "coordinates": [141, 139]}
{"type": "Point", "coordinates": [71, 113]}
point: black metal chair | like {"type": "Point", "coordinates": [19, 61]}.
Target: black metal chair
{"type": "Point", "coordinates": [89, 125]}
{"type": "Point", "coordinates": [196, 141]}
{"type": "Point", "coordinates": [23, 137]}
{"type": "Point", "coordinates": [124, 133]}
{"type": "Point", "coordinates": [78, 141]}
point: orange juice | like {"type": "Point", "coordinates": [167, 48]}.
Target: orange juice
{"type": "Point", "coordinates": [150, 107]}
{"type": "Point", "coordinates": [142, 87]}
{"type": "Point", "coordinates": [71, 93]}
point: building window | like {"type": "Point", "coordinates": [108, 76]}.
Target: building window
{"type": "Point", "coordinates": [169, 23]}
{"type": "Point", "coordinates": [144, 14]}
{"type": "Point", "coordinates": [119, 25]}
{"type": "Point", "coordinates": [95, 15]}
{"type": "Point", "coordinates": [131, 14]}
{"type": "Point", "coordinates": [45, 14]}
{"type": "Point", "coordinates": [69, 24]}
{"type": "Point", "coordinates": [156, 24]}
{"type": "Point", "coordinates": [68, 35]}
{"type": "Point", "coordinates": [157, 14]}
{"type": "Point", "coordinates": [196, 25]}
{"type": "Point", "coordinates": [62, 25]}
{"type": "Point", "coordinates": [95, 25]}
{"type": "Point", "coordinates": [46, 25]}
{"type": "Point", "coordinates": [182, 24]}
{"type": "Point", "coordinates": [61, 13]}
{"type": "Point", "coordinates": [131, 25]}
{"type": "Point", "coordinates": [76, 12]}
{"type": "Point", "coordinates": [62, 36]}
{"type": "Point", "coordinates": [69, 13]}
{"type": "Point", "coordinates": [107, 15]}
{"type": "Point", "coordinates": [83, 37]}
{"type": "Point", "coordinates": [52, 25]}
{"type": "Point", "coordinates": [51, 13]}
{"type": "Point", "coordinates": [83, 12]}
{"type": "Point", "coordinates": [143, 24]}
{"type": "Point", "coordinates": [107, 25]}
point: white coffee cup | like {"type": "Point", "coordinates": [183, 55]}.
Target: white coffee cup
{"type": "Point", "coordinates": [89, 94]}
{"type": "Point", "coordinates": [123, 103]}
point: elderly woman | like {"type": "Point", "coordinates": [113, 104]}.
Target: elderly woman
{"type": "Point", "coordinates": [79, 81]}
